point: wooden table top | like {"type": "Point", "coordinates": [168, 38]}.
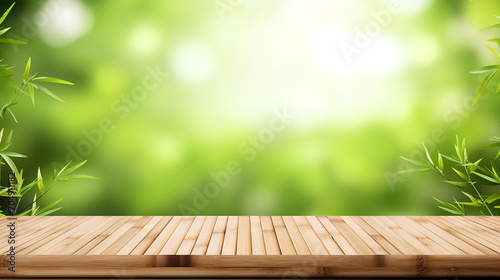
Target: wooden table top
{"type": "Point", "coordinates": [252, 246]}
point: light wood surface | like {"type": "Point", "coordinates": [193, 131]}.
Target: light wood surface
{"type": "Point", "coordinates": [252, 246]}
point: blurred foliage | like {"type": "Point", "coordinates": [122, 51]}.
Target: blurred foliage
{"type": "Point", "coordinates": [15, 191]}
{"type": "Point", "coordinates": [228, 70]}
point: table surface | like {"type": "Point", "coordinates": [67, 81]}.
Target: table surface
{"type": "Point", "coordinates": [253, 246]}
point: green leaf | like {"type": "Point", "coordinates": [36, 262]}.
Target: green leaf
{"type": "Point", "coordinates": [474, 201]}
{"type": "Point", "coordinates": [2, 31]}
{"type": "Point", "coordinates": [50, 93]}
{"type": "Point", "coordinates": [14, 154]}
{"type": "Point", "coordinates": [461, 174]}
{"type": "Point", "coordinates": [33, 206]}
{"type": "Point", "coordinates": [449, 207]}
{"type": "Point", "coordinates": [493, 180]}
{"type": "Point", "coordinates": [12, 113]}
{"type": "Point", "coordinates": [48, 207]}
{"type": "Point", "coordinates": [39, 180]}
{"type": "Point", "coordinates": [491, 27]}
{"type": "Point", "coordinates": [52, 80]}
{"type": "Point", "coordinates": [48, 212]}
{"type": "Point", "coordinates": [493, 197]}
{"type": "Point", "coordinates": [484, 69]}
{"type": "Point", "coordinates": [440, 162]}
{"type": "Point", "coordinates": [4, 146]}
{"type": "Point", "coordinates": [497, 144]}
{"type": "Point", "coordinates": [9, 138]}
{"type": "Point", "coordinates": [424, 170]}
{"type": "Point", "coordinates": [28, 187]}
{"type": "Point", "coordinates": [452, 211]}
{"type": "Point", "coordinates": [495, 52]}
{"type": "Point", "coordinates": [83, 176]}
{"type": "Point", "coordinates": [11, 164]}
{"type": "Point", "coordinates": [75, 167]}
{"type": "Point", "coordinates": [32, 93]}
{"type": "Point", "coordinates": [427, 154]}
{"type": "Point", "coordinates": [6, 13]}
{"type": "Point", "coordinates": [421, 163]}
{"type": "Point", "coordinates": [460, 184]}
{"type": "Point", "coordinates": [483, 85]}
{"type": "Point", "coordinates": [11, 41]}
{"type": "Point", "coordinates": [27, 70]}
{"type": "Point", "coordinates": [62, 170]}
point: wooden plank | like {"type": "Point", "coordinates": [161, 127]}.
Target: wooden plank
{"type": "Point", "coordinates": [357, 242]}
{"type": "Point", "coordinates": [283, 237]}
{"type": "Point", "coordinates": [244, 244]}
{"type": "Point", "coordinates": [434, 246]}
{"type": "Point", "coordinates": [163, 237]}
{"type": "Point", "coordinates": [270, 239]}
{"type": "Point", "coordinates": [201, 245]}
{"type": "Point", "coordinates": [436, 238]}
{"type": "Point", "coordinates": [298, 241]}
{"type": "Point", "coordinates": [394, 239]}
{"type": "Point", "coordinates": [143, 246]}
{"type": "Point", "coordinates": [101, 236]}
{"type": "Point", "coordinates": [325, 237]}
{"type": "Point", "coordinates": [175, 240]}
{"type": "Point", "coordinates": [346, 247]}
{"type": "Point", "coordinates": [110, 241]}
{"type": "Point", "coordinates": [483, 231]}
{"type": "Point", "coordinates": [463, 234]}
{"type": "Point", "coordinates": [86, 223]}
{"type": "Point", "coordinates": [81, 241]}
{"type": "Point", "coordinates": [258, 246]}
{"type": "Point", "coordinates": [127, 236]}
{"type": "Point", "coordinates": [187, 244]}
{"type": "Point", "coordinates": [405, 236]}
{"type": "Point", "coordinates": [217, 238]}
{"type": "Point", "coordinates": [310, 236]}
{"type": "Point", "coordinates": [424, 221]}
{"type": "Point", "coordinates": [139, 236]}
{"type": "Point", "coordinates": [369, 239]}
{"type": "Point", "coordinates": [45, 232]}
{"type": "Point", "coordinates": [231, 236]}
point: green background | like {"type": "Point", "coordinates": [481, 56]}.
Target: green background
{"type": "Point", "coordinates": [231, 64]}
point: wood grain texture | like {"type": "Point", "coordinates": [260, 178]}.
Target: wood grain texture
{"type": "Point", "coordinates": [253, 246]}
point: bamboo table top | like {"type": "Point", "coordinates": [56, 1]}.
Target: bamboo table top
{"type": "Point", "coordinates": [252, 246]}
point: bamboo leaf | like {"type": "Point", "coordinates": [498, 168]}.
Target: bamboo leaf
{"type": "Point", "coordinates": [11, 41]}
{"type": "Point", "coordinates": [6, 13]}
{"type": "Point", "coordinates": [484, 69]}
{"type": "Point", "coordinates": [460, 184]}
{"type": "Point", "coordinates": [39, 180]}
{"type": "Point", "coordinates": [26, 74]}
{"type": "Point", "coordinates": [2, 31]}
{"type": "Point", "coordinates": [493, 180]}
{"type": "Point", "coordinates": [495, 52]}
{"type": "Point", "coordinates": [427, 154]}
{"type": "Point", "coordinates": [440, 162]}
{"type": "Point", "coordinates": [483, 85]}
{"type": "Point", "coordinates": [461, 174]}
{"type": "Point", "coordinates": [32, 93]}
{"type": "Point", "coordinates": [491, 27]}
{"type": "Point", "coordinates": [48, 207]}
{"type": "Point", "coordinates": [52, 80]}
{"type": "Point", "coordinates": [417, 162]}
{"type": "Point", "coordinates": [493, 197]}
{"type": "Point", "coordinates": [50, 93]}
{"type": "Point", "coordinates": [14, 154]}
{"type": "Point", "coordinates": [11, 164]}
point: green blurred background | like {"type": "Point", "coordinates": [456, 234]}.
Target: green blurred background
{"type": "Point", "coordinates": [231, 65]}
